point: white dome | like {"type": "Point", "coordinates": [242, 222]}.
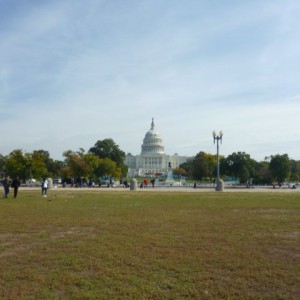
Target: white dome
{"type": "Point", "coordinates": [153, 142]}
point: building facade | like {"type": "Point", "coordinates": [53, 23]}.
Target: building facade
{"type": "Point", "coordinates": [152, 161]}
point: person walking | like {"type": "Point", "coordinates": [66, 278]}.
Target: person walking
{"type": "Point", "coordinates": [6, 185]}
{"type": "Point", "coordinates": [15, 185]}
{"type": "Point", "coordinates": [153, 182]}
{"type": "Point", "coordinates": [44, 187]}
{"type": "Point", "coordinates": [146, 182]}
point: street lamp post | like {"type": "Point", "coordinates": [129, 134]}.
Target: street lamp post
{"type": "Point", "coordinates": [218, 137]}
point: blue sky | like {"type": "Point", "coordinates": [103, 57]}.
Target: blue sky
{"type": "Point", "coordinates": [76, 71]}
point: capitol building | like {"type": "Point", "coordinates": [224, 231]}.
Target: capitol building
{"type": "Point", "coordinates": [152, 161]}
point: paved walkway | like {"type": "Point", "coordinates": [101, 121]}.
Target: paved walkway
{"type": "Point", "coordinates": [174, 189]}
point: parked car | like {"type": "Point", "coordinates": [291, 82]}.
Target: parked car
{"type": "Point", "coordinates": [292, 185]}
{"type": "Point", "coordinates": [57, 181]}
{"type": "Point", "coordinates": [32, 182]}
{"type": "Point", "coordinates": [107, 181]}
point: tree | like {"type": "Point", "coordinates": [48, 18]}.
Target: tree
{"type": "Point", "coordinates": [204, 166]}
{"type": "Point", "coordinates": [54, 167]}
{"type": "Point", "coordinates": [211, 161]}
{"type": "Point", "coordinates": [295, 170]}
{"type": "Point", "coordinates": [200, 168]}
{"type": "Point", "coordinates": [67, 173]}
{"type": "Point", "coordinates": [43, 155]}
{"type": "Point", "coordinates": [108, 149]}
{"type": "Point", "coordinates": [2, 163]}
{"type": "Point", "coordinates": [108, 167]}
{"type": "Point", "coordinates": [80, 164]}
{"type": "Point", "coordinates": [280, 167]}
{"type": "Point", "coordinates": [180, 171]}
{"type": "Point", "coordinates": [27, 165]}
{"type": "Point", "coordinates": [16, 164]}
{"type": "Point", "coordinates": [244, 174]}
{"type": "Point", "coordinates": [187, 166]}
{"type": "Point", "coordinates": [76, 164]}
{"type": "Point", "coordinates": [92, 163]}
{"type": "Point", "coordinates": [240, 165]}
{"type": "Point", "coordinates": [263, 173]}
{"type": "Point", "coordinates": [36, 163]}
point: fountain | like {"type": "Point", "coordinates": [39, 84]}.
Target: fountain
{"type": "Point", "coordinates": [169, 181]}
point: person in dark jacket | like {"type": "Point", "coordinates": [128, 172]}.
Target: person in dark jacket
{"type": "Point", "coordinates": [6, 184]}
{"type": "Point", "coordinates": [15, 185]}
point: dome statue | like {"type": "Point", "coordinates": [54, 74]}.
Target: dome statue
{"type": "Point", "coordinates": [152, 142]}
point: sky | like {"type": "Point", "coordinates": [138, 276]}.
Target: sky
{"type": "Point", "coordinates": [73, 72]}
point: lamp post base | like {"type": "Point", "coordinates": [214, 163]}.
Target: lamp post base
{"type": "Point", "coordinates": [220, 185]}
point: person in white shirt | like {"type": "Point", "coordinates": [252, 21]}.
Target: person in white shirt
{"type": "Point", "coordinates": [44, 187]}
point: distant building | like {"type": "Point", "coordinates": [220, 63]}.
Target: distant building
{"type": "Point", "coordinates": [152, 161]}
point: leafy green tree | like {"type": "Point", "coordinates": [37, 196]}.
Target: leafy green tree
{"type": "Point", "coordinates": [67, 173]}
{"type": "Point", "coordinates": [37, 165]}
{"type": "Point", "coordinates": [295, 170]}
{"type": "Point", "coordinates": [263, 173]}
{"type": "Point", "coordinates": [26, 165]}
{"type": "Point", "coordinates": [42, 155]}
{"type": "Point", "coordinates": [77, 164]}
{"type": "Point", "coordinates": [108, 149]}
{"type": "Point", "coordinates": [200, 167]}
{"type": "Point", "coordinates": [244, 174]}
{"type": "Point", "coordinates": [204, 166]}
{"type": "Point", "coordinates": [180, 171]}
{"type": "Point", "coordinates": [2, 163]}
{"type": "Point", "coordinates": [54, 167]}
{"type": "Point", "coordinates": [92, 163]}
{"type": "Point", "coordinates": [280, 167]}
{"type": "Point", "coordinates": [108, 167]}
{"type": "Point", "coordinates": [223, 166]}
{"type": "Point", "coordinates": [187, 166]}
{"type": "Point", "coordinates": [16, 164]}
{"type": "Point", "coordinates": [240, 165]}
{"type": "Point", "coordinates": [211, 162]}
{"type": "Point", "coordinates": [123, 171]}
{"type": "Point", "coordinates": [80, 164]}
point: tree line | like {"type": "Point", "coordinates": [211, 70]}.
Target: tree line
{"type": "Point", "coordinates": [240, 166]}
{"type": "Point", "coordinates": [105, 158]}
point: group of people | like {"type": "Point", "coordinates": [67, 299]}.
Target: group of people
{"type": "Point", "coordinates": [145, 183]}
{"type": "Point", "coordinates": [15, 184]}
{"type": "Point", "coordinates": [7, 183]}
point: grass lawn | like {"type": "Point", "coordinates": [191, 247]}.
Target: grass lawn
{"type": "Point", "coordinates": [154, 245]}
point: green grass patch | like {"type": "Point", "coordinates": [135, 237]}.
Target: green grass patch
{"type": "Point", "coordinates": [135, 245]}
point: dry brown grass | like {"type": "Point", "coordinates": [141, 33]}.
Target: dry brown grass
{"type": "Point", "coordinates": [128, 245]}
